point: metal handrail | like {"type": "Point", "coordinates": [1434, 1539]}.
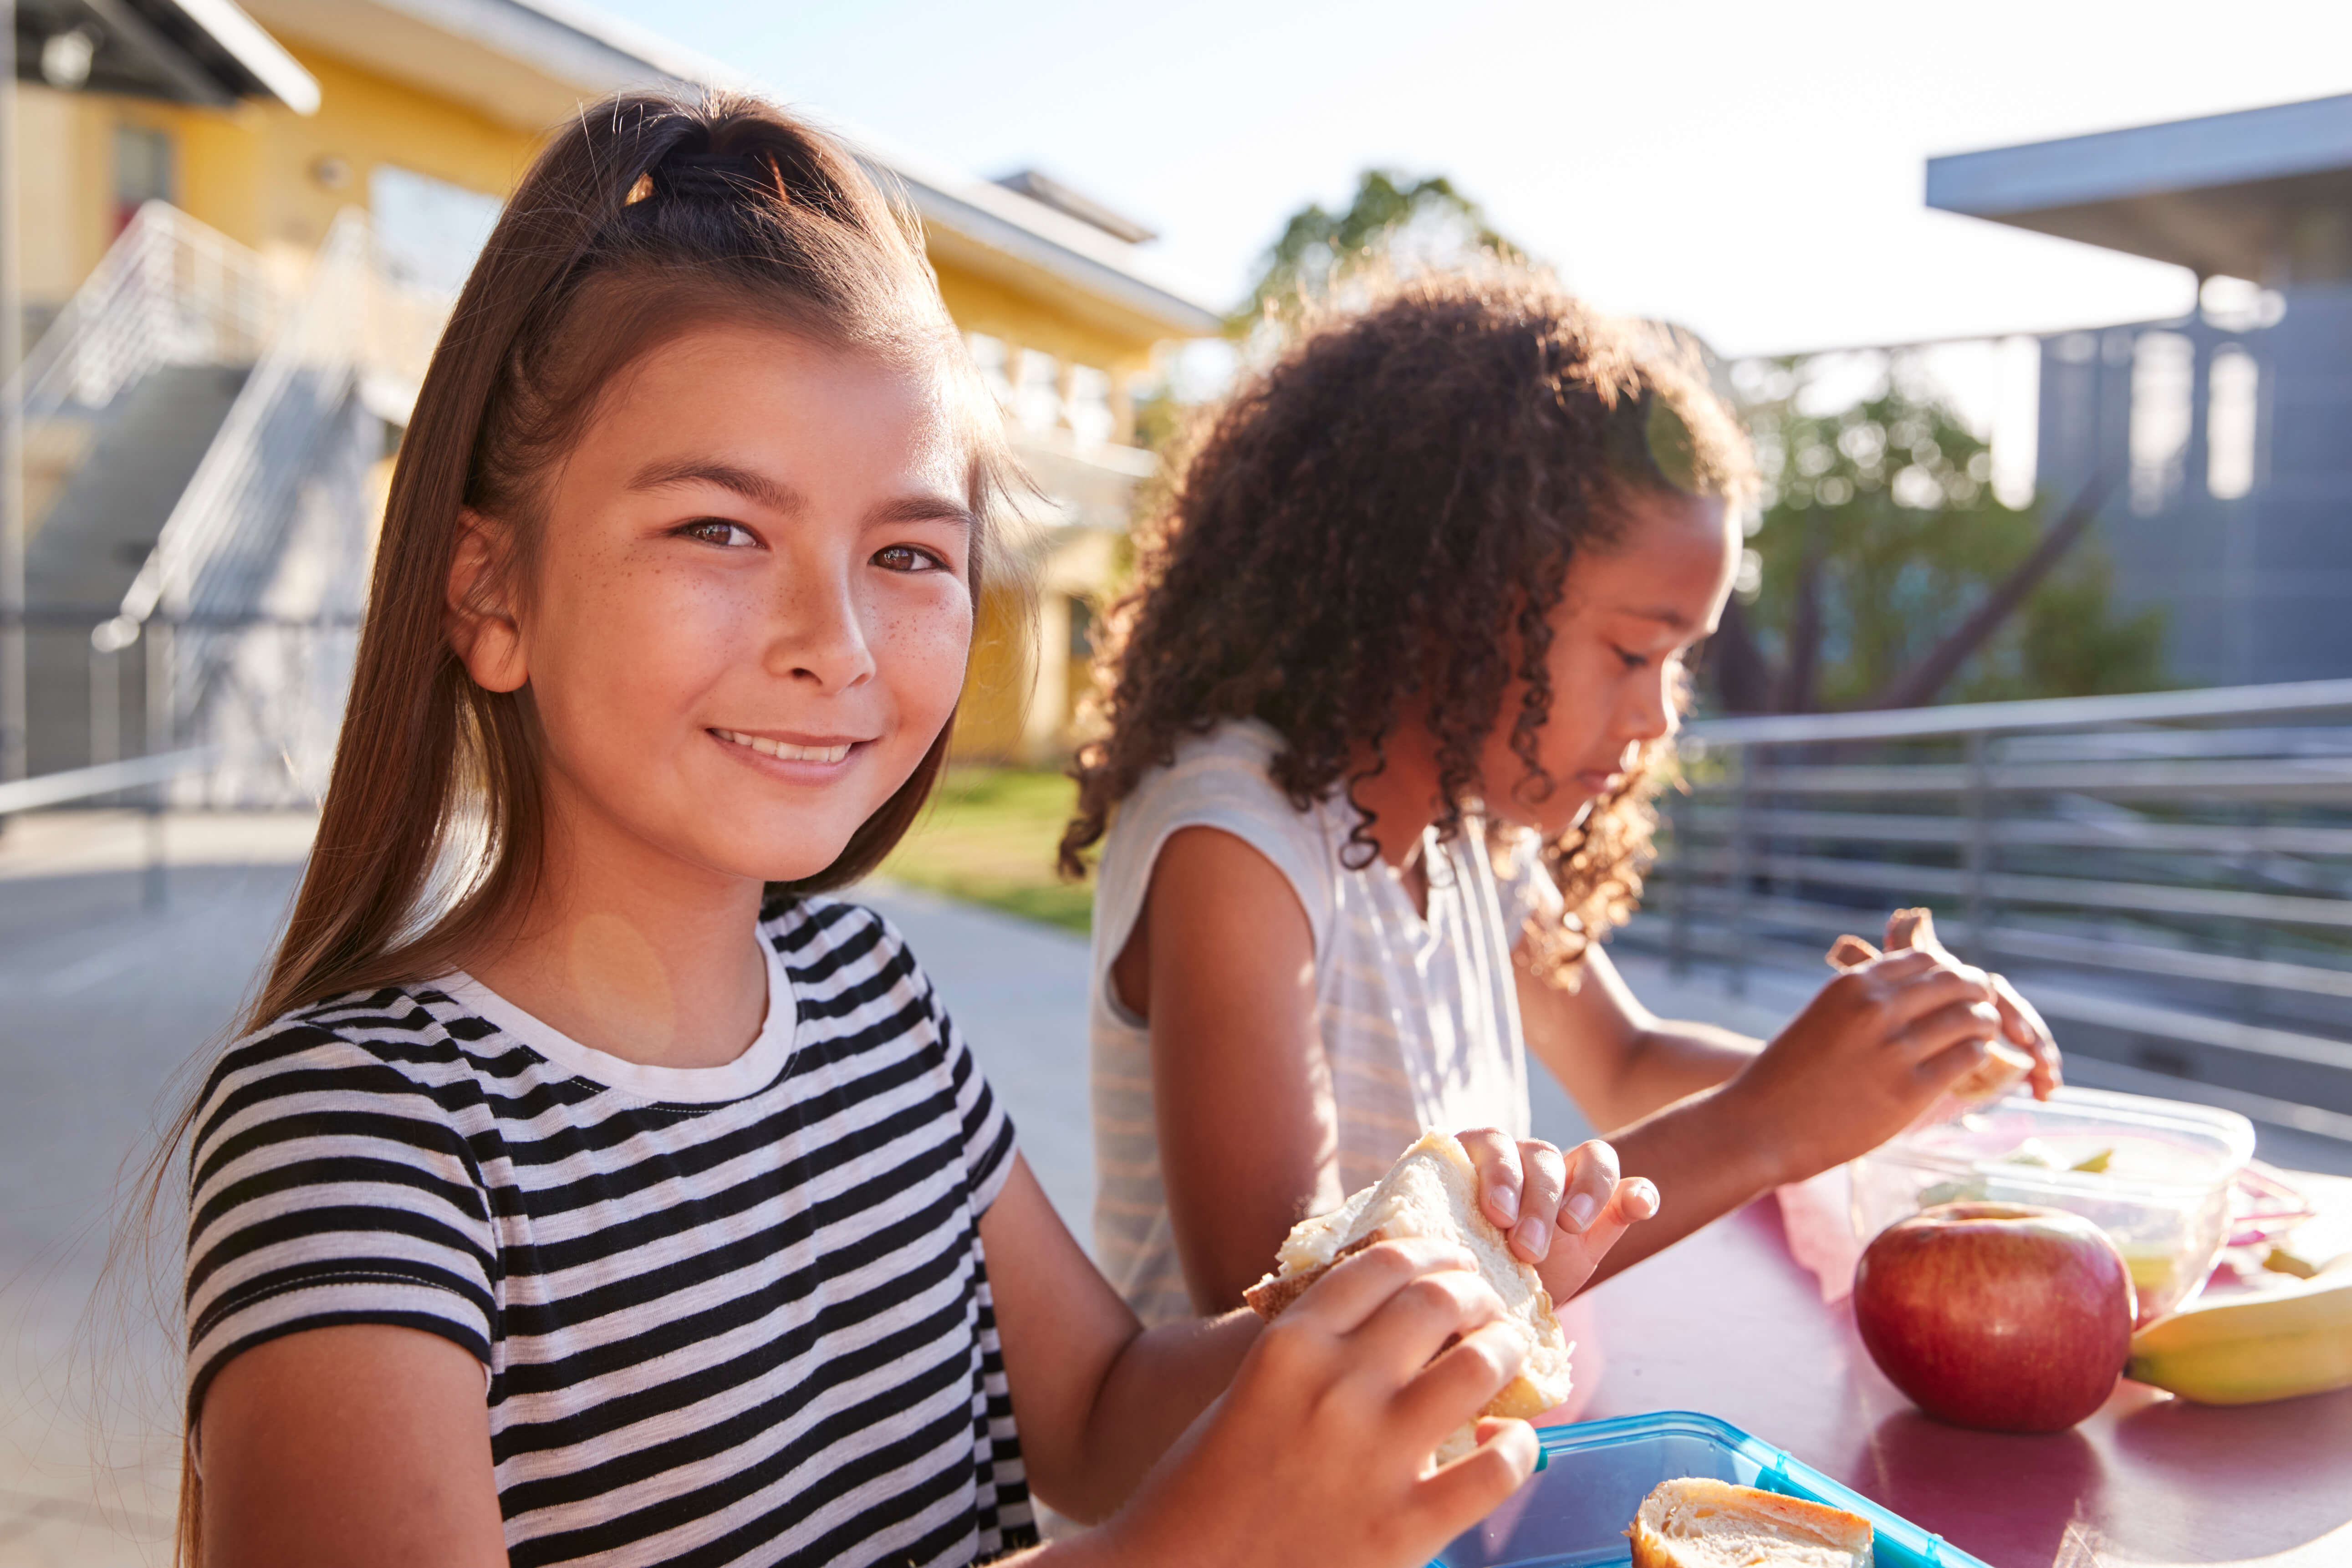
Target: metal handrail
{"type": "Point", "coordinates": [169, 290]}
{"type": "Point", "coordinates": [2040, 713]}
{"type": "Point", "coordinates": [46, 789]}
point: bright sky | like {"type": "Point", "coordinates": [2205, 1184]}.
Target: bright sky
{"type": "Point", "coordinates": [1751, 171]}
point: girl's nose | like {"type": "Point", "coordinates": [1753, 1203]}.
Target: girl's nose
{"type": "Point", "coordinates": [1650, 713]}
{"type": "Point", "coordinates": [819, 637]}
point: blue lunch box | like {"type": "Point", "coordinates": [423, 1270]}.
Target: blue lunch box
{"type": "Point", "coordinates": [1592, 1479]}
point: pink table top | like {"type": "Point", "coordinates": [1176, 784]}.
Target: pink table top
{"type": "Point", "coordinates": [1730, 1325]}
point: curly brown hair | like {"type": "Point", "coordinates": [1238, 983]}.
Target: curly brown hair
{"type": "Point", "coordinates": [1381, 521]}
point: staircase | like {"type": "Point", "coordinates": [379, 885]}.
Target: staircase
{"type": "Point", "coordinates": [201, 466]}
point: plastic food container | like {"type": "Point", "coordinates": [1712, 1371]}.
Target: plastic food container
{"type": "Point", "coordinates": [1575, 1511]}
{"type": "Point", "coordinates": [2160, 1183]}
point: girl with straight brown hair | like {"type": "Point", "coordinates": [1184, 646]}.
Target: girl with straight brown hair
{"type": "Point", "coordinates": [588, 1186]}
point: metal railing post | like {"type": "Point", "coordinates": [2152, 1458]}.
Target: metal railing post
{"type": "Point", "coordinates": [1743, 869]}
{"type": "Point", "coordinates": [1978, 851]}
{"type": "Point", "coordinates": [1685, 884]}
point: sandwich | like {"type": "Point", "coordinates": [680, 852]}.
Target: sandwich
{"type": "Point", "coordinates": [2004, 1066]}
{"type": "Point", "coordinates": [1431, 1191]}
{"type": "Point", "coordinates": [1699, 1522]}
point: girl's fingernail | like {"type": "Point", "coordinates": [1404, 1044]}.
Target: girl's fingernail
{"type": "Point", "coordinates": [1646, 1196]}
{"type": "Point", "coordinates": [1581, 1210]}
{"type": "Point", "coordinates": [1505, 1202]}
{"type": "Point", "coordinates": [1532, 1235]}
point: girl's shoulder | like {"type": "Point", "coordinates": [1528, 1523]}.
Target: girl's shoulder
{"type": "Point", "coordinates": [1221, 779]}
{"type": "Point", "coordinates": [409, 1041]}
{"type": "Point", "coordinates": [1227, 770]}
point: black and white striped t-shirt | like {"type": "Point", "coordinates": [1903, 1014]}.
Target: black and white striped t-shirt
{"type": "Point", "coordinates": [728, 1315]}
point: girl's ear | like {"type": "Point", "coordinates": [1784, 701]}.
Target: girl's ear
{"type": "Point", "coordinates": [479, 615]}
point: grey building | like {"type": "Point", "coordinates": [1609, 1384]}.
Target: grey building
{"type": "Point", "coordinates": [2228, 433]}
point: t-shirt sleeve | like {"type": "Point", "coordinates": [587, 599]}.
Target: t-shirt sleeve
{"type": "Point", "coordinates": [1223, 784]}
{"type": "Point", "coordinates": [326, 1186]}
{"type": "Point", "coordinates": [988, 1140]}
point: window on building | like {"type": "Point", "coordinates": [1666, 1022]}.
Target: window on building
{"type": "Point", "coordinates": [428, 230]}
{"type": "Point", "coordinates": [143, 169]}
{"type": "Point", "coordinates": [2163, 370]}
{"type": "Point", "coordinates": [2232, 391]}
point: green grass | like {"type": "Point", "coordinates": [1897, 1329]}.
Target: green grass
{"type": "Point", "coordinates": [988, 838]}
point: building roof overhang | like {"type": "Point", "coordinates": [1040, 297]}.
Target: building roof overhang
{"type": "Point", "coordinates": [182, 51]}
{"type": "Point", "coordinates": [2221, 195]}
{"type": "Point", "coordinates": [529, 64]}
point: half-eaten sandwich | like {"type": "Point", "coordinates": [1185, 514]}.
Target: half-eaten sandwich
{"type": "Point", "coordinates": [1431, 1191]}
{"type": "Point", "coordinates": [1699, 1522]}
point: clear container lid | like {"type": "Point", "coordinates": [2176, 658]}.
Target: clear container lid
{"type": "Point", "coordinates": [2158, 1149]}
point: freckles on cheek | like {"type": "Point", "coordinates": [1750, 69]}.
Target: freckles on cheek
{"type": "Point", "coordinates": [927, 650]}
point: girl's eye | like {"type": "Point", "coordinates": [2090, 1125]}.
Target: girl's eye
{"type": "Point", "coordinates": [908, 558]}
{"type": "Point", "coordinates": [718, 531]}
{"type": "Point", "coordinates": [1633, 661]}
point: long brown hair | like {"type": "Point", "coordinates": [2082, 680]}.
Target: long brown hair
{"type": "Point", "coordinates": [1381, 521]}
{"type": "Point", "coordinates": [644, 216]}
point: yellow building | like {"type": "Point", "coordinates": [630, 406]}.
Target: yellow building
{"type": "Point", "coordinates": [423, 112]}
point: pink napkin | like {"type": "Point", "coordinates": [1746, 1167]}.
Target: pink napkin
{"type": "Point", "coordinates": [1814, 1214]}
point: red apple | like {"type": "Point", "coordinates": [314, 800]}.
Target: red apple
{"type": "Point", "coordinates": [1997, 1315]}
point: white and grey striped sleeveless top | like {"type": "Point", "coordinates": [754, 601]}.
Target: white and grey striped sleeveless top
{"type": "Point", "coordinates": [729, 1315]}
{"type": "Point", "coordinates": [1419, 1015]}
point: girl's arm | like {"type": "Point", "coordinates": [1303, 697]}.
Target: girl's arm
{"type": "Point", "coordinates": [363, 1446]}
{"type": "Point", "coordinates": [1222, 964]}
{"type": "Point", "coordinates": [1617, 1059]}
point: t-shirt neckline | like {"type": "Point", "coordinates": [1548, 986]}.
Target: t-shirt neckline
{"type": "Point", "coordinates": [755, 1069]}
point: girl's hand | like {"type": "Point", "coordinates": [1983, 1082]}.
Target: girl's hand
{"type": "Point", "coordinates": [1320, 1452]}
{"type": "Point", "coordinates": [1562, 1212]}
{"type": "Point", "coordinates": [1874, 1049]}
{"type": "Point", "coordinates": [2020, 1024]}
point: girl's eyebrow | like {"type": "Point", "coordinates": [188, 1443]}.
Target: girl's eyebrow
{"type": "Point", "coordinates": [753, 487]}
{"type": "Point", "coordinates": [925, 508]}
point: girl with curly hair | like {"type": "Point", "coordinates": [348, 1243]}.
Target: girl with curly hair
{"type": "Point", "coordinates": [1384, 714]}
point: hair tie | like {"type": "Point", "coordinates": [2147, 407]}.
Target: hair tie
{"type": "Point", "coordinates": [725, 175]}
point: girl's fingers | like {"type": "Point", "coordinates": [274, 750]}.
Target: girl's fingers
{"type": "Point", "coordinates": [1474, 1485]}
{"type": "Point", "coordinates": [1418, 1321]}
{"type": "Point", "coordinates": [1933, 992]}
{"type": "Point", "coordinates": [1455, 1386]}
{"type": "Point", "coordinates": [1945, 1067]}
{"type": "Point", "coordinates": [2025, 1026]}
{"type": "Point", "coordinates": [1574, 1258]}
{"type": "Point", "coordinates": [1591, 1183]}
{"type": "Point", "coordinates": [1974, 1023]}
{"type": "Point", "coordinates": [1546, 1184]}
{"type": "Point", "coordinates": [1358, 1285]}
{"type": "Point", "coordinates": [1495, 1155]}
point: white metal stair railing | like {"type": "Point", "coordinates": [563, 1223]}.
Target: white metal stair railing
{"type": "Point", "coordinates": [250, 599]}
{"type": "Point", "coordinates": [2174, 870]}
{"type": "Point", "coordinates": [169, 290]}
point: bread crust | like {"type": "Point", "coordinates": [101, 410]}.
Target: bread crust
{"type": "Point", "coordinates": [1793, 1519]}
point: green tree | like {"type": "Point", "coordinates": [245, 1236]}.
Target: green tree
{"type": "Point", "coordinates": [1392, 218]}
{"type": "Point", "coordinates": [1881, 534]}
